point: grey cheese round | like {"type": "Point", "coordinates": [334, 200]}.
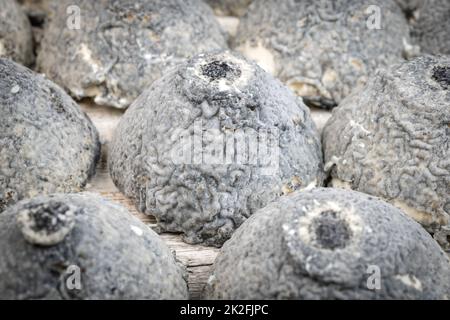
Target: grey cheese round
{"type": "Point", "coordinates": [391, 139]}
{"type": "Point", "coordinates": [80, 246]}
{"type": "Point", "coordinates": [212, 141]}
{"type": "Point", "coordinates": [432, 28]}
{"type": "Point", "coordinates": [47, 144]}
{"type": "Point", "coordinates": [323, 49]}
{"type": "Point", "coordinates": [16, 39]}
{"type": "Point", "coordinates": [111, 50]}
{"type": "Point", "coordinates": [330, 244]}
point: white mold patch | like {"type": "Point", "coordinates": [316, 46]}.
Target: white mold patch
{"type": "Point", "coordinates": [410, 281]}
{"type": "Point", "coordinates": [260, 54]}
{"type": "Point", "coordinates": [347, 215]}
{"type": "Point", "coordinates": [86, 55]}
{"type": "Point", "coordinates": [138, 231]}
{"type": "Point", "coordinates": [45, 226]}
{"type": "Point", "coordinates": [238, 81]}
